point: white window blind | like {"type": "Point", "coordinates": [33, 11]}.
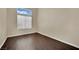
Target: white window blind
{"type": "Point", "coordinates": [24, 20]}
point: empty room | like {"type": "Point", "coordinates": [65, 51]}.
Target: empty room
{"type": "Point", "coordinates": [39, 28]}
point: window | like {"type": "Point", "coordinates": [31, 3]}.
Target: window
{"type": "Point", "coordinates": [24, 18]}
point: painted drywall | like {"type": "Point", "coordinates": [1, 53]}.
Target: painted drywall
{"type": "Point", "coordinates": [60, 23]}
{"type": "Point", "coordinates": [3, 25]}
{"type": "Point", "coordinates": [12, 23]}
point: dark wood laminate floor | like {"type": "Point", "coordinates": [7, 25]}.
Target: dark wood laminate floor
{"type": "Point", "coordinates": [35, 41]}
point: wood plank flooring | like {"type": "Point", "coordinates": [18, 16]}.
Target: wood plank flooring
{"type": "Point", "coordinates": [35, 41]}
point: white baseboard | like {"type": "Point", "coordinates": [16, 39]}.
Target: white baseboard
{"type": "Point", "coordinates": [60, 40]}
{"type": "Point", "coordinates": [3, 43]}
{"type": "Point", "coordinates": [21, 34]}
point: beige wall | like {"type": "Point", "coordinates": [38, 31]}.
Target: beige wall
{"type": "Point", "coordinates": [61, 24]}
{"type": "Point", "coordinates": [12, 23]}
{"type": "Point", "coordinates": [3, 25]}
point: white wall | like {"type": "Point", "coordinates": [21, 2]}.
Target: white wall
{"type": "Point", "coordinates": [12, 23]}
{"type": "Point", "coordinates": [3, 25]}
{"type": "Point", "coordinates": [61, 24]}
